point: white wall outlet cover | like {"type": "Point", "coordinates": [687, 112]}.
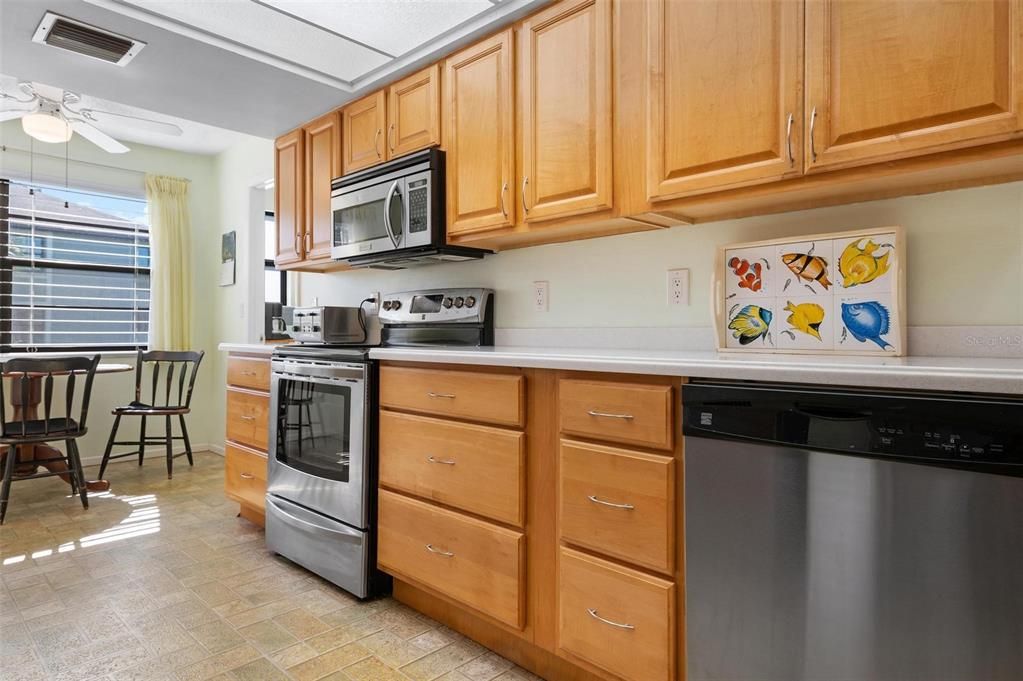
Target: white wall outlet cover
{"type": "Point", "coordinates": [678, 287]}
{"type": "Point", "coordinates": [541, 296]}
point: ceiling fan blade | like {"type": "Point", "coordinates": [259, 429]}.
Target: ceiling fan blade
{"type": "Point", "coordinates": [97, 136]}
{"type": "Point", "coordinates": [136, 122]}
{"type": "Point", "coordinates": [11, 114]}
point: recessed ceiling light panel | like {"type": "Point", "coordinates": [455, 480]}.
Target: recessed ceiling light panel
{"type": "Point", "coordinates": [81, 38]}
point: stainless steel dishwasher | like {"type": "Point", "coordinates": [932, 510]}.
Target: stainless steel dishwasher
{"type": "Point", "coordinates": [847, 535]}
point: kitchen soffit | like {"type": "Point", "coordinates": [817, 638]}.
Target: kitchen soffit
{"type": "Point", "coordinates": [349, 44]}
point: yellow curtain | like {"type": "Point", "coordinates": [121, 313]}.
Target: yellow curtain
{"type": "Point", "coordinates": [170, 229]}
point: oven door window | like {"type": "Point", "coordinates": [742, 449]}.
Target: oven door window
{"type": "Point", "coordinates": [314, 428]}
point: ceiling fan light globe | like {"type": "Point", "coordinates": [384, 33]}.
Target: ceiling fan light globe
{"type": "Point", "coordinates": [46, 127]}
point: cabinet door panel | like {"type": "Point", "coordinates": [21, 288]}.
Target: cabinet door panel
{"type": "Point", "coordinates": [719, 106]}
{"type": "Point", "coordinates": [288, 197]}
{"type": "Point", "coordinates": [322, 164]}
{"type": "Point", "coordinates": [480, 136]}
{"type": "Point", "coordinates": [413, 112]}
{"type": "Point", "coordinates": [895, 78]}
{"type": "Point", "coordinates": [362, 132]}
{"type": "Point", "coordinates": [565, 83]}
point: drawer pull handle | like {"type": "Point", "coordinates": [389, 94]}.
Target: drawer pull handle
{"type": "Point", "coordinates": [246, 476]}
{"type": "Point", "coordinates": [594, 499]}
{"type": "Point", "coordinates": [246, 372]}
{"type": "Point", "coordinates": [243, 417]}
{"type": "Point", "coordinates": [446, 462]}
{"type": "Point", "coordinates": [594, 615]}
{"type": "Point", "coordinates": [446, 554]}
{"type": "Point", "coordinates": [446, 396]}
{"type": "Point", "coordinates": [603, 414]}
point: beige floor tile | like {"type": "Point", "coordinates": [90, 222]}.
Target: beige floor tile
{"type": "Point", "coordinates": [267, 636]}
{"type": "Point", "coordinates": [302, 623]}
{"type": "Point", "coordinates": [258, 670]}
{"type": "Point", "coordinates": [372, 669]}
{"type": "Point", "coordinates": [485, 667]}
{"type": "Point", "coordinates": [218, 664]}
{"type": "Point", "coordinates": [335, 638]}
{"type": "Point", "coordinates": [441, 661]}
{"type": "Point", "coordinates": [293, 655]}
{"type": "Point", "coordinates": [319, 666]}
{"type": "Point", "coordinates": [216, 636]}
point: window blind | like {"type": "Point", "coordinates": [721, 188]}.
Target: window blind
{"type": "Point", "coordinates": [74, 270]}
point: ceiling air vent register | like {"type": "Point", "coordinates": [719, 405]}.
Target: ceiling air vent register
{"type": "Point", "coordinates": [75, 36]}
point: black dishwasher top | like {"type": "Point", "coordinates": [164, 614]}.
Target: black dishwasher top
{"type": "Point", "coordinates": [945, 428]}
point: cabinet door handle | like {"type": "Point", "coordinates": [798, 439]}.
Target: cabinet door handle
{"type": "Point", "coordinates": [390, 137]}
{"type": "Point", "coordinates": [596, 500]}
{"type": "Point", "coordinates": [297, 247]}
{"type": "Point", "coordinates": [308, 241]}
{"type": "Point", "coordinates": [594, 615]}
{"type": "Point", "coordinates": [813, 124]}
{"type": "Point", "coordinates": [246, 476]}
{"type": "Point", "coordinates": [604, 414]}
{"type": "Point", "coordinates": [504, 210]}
{"type": "Point", "coordinates": [446, 554]}
{"type": "Point", "coordinates": [525, 181]}
{"type": "Point", "coordinates": [446, 396]}
{"type": "Point", "coordinates": [446, 462]}
{"type": "Point", "coordinates": [376, 143]}
{"type": "Point", "coordinates": [244, 417]}
{"type": "Point", "coordinates": [788, 141]}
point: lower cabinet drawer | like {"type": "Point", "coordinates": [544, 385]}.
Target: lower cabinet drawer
{"type": "Point", "coordinates": [475, 468]}
{"type": "Point", "coordinates": [618, 619]}
{"type": "Point", "coordinates": [245, 475]}
{"type": "Point", "coordinates": [469, 560]}
{"type": "Point", "coordinates": [618, 502]}
{"type": "Point", "coordinates": [248, 415]}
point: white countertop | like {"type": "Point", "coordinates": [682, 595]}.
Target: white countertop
{"type": "Point", "coordinates": [249, 348]}
{"type": "Point", "coordinates": [966, 374]}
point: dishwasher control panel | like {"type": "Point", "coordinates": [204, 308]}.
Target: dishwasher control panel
{"type": "Point", "coordinates": [940, 427]}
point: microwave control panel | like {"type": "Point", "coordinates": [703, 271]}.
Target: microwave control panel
{"type": "Point", "coordinates": [419, 205]}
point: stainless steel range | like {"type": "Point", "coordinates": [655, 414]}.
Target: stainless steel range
{"type": "Point", "coordinates": [322, 467]}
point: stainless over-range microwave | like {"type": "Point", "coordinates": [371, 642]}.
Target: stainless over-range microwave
{"type": "Point", "coordinates": [392, 215]}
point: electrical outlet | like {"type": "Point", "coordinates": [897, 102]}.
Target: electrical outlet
{"type": "Point", "coordinates": [541, 295]}
{"type": "Point", "coordinates": [678, 287]}
{"type": "Point", "coordinates": [374, 307]}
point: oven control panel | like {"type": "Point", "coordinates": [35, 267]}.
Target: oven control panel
{"type": "Point", "coordinates": [463, 305]}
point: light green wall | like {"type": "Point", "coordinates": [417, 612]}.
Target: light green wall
{"type": "Point", "coordinates": [965, 265]}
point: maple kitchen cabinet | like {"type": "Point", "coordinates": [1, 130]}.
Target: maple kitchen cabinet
{"type": "Point", "coordinates": [889, 80]}
{"type": "Point", "coordinates": [289, 197]}
{"type": "Point", "coordinates": [564, 110]}
{"type": "Point", "coordinates": [362, 131]}
{"type": "Point", "coordinates": [322, 165]}
{"type": "Point", "coordinates": [722, 112]}
{"type": "Point", "coordinates": [479, 135]}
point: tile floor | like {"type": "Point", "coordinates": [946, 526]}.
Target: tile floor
{"type": "Point", "coordinates": [159, 581]}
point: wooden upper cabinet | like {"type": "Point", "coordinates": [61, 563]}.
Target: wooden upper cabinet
{"type": "Point", "coordinates": [724, 106]}
{"type": "Point", "coordinates": [289, 168]}
{"type": "Point", "coordinates": [479, 133]}
{"type": "Point", "coordinates": [322, 164]}
{"type": "Point", "coordinates": [893, 78]}
{"type": "Point", "coordinates": [413, 112]}
{"type": "Point", "coordinates": [362, 132]}
{"type": "Point", "coordinates": [564, 61]}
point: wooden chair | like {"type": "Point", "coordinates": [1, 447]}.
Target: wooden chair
{"type": "Point", "coordinates": [176, 364]}
{"type": "Point", "coordinates": [27, 430]}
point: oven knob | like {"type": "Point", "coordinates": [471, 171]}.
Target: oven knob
{"type": "Point", "coordinates": [316, 329]}
{"type": "Point", "coordinates": [395, 304]}
{"type": "Point", "coordinates": [387, 305]}
{"type": "Point", "coordinates": [470, 302]}
{"type": "Point", "coordinates": [459, 301]}
{"type": "Point", "coordinates": [447, 303]}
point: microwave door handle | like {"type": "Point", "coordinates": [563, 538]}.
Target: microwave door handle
{"type": "Point", "coordinates": [395, 238]}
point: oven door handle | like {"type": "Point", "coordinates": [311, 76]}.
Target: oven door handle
{"type": "Point", "coordinates": [395, 238]}
{"type": "Point", "coordinates": [325, 380]}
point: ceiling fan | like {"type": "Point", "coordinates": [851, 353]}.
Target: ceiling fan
{"type": "Point", "coordinates": [52, 119]}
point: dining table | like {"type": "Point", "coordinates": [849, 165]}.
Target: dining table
{"type": "Point", "coordinates": [28, 455]}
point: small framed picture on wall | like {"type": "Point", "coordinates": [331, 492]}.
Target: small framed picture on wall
{"type": "Point", "coordinates": [228, 248]}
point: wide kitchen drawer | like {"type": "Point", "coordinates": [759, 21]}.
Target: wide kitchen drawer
{"type": "Point", "coordinates": [247, 417]}
{"type": "Point", "coordinates": [478, 396]}
{"type": "Point", "coordinates": [618, 502]}
{"type": "Point", "coordinates": [469, 560]}
{"type": "Point", "coordinates": [249, 372]}
{"type": "Point", "coordinates": [616, 618]}
{"type": "Point", "coordinates": [475, 468]}
{"type": "Point", "coordinates": [245, 475]}
{"type": "Point", "coordinates": [633, 413]}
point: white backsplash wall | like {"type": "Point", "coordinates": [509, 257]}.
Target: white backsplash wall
{"type": "Point", "coordinates": [965, 269]}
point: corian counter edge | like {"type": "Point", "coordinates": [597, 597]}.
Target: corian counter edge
{"type": "Point", "coordinates": [964, 374]}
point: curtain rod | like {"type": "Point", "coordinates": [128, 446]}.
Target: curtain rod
{"type": "Point", "coordinates": [5, 148]}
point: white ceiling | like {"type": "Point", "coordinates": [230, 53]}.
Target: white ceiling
{"type": "Point", "coordinates": [195, 138]}
{"type": "Point", "coordinates": [261, 67]}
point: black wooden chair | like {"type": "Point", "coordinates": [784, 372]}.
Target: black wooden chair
{"type": "Point", "coordinates": [27, 430]}
{"type": "Point", "coordinates": [162, 402]}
